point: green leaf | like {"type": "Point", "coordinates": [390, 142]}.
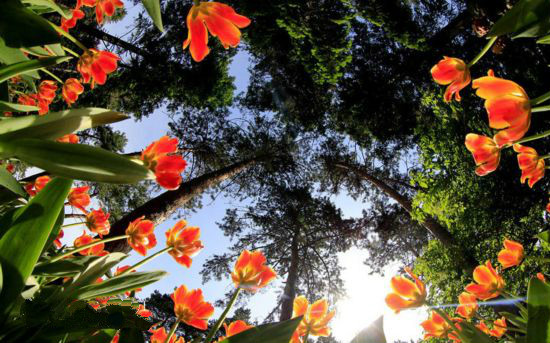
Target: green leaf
{"type": "Point", "coordinates": [12, 55]}
{"type": "Point", "coordinates": [544, 40]}
{"type": "Point", "coordinates": [79, 161]}
{"type": "Point", "coordinates": [544, 236]}
{"type": "Point", "coordinates": [8, 181]}
{"type": "Point", "coordinates": [63, 268]}
{"type": "Point", "coordinates": [57, 124]}
{"type": "Point", "coordinates": [119, 284]}
{"type": "Point", "coordinates": [528, 18]}
{"type": "Point", "coordinates": [538, 308]}
{"type": "Point", "coordinates": [12, 70]}
{"type": "Point", "coordinates": [8, 106]}
{"type": "Point", "coordinates": [153, 9]}
{"type": "Point", "coordinates": [470, 334]}
{"type": "Point", "coordinates": [268, 333]}
{"type": "Point", "coordinates": [23, 241]}
{"type": "Point", "coordinates": [50, 4]}
{"type": "Point", "coordinates": [374, 333]}
{"type": "Point", "coordinates": [20, 27]}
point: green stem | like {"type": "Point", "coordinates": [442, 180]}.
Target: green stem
{"type": "Point", "coordinates": [483, 52]}
{"type": "Point", "coordinates": [533, 137]}
{"type": "Point", "coordinates": [541, 99]}
{"type": "Point", "coordinates": [72, 224]}
{"type": "Point", "coordinates": [84, 247]}
{"type": "Point", "coordinates": [172, 331]}
{"type": "Point", "coordinates": [544, 157]}
{"type": "Point", "coordinates": [68, 36]}
{"type": "Point", "coordinates": [220, 320]}
{"type": "Point", "coordinates": [540, 109]}
{"type": "Point", "coordinates": [306, 337]}
{"type": "Point", "coordinates": [52, 75]}
{"type": "Point", "coordinates": [71, 52]}
{"type": "Point", "coordinates": [145, 260]}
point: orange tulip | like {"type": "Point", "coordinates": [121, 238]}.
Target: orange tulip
{"type": "Point", "coordinates": [141, 235]}
{"type": "Point", "coordinates": [453, 72]}
{"type": "Point", "coordinates": [489, 282]}
{"type": "Point", "coordinates": [96, 250]}
{"type": "Point", "coordinates": [46, 90]}
{"type": "Point", "coordinates": [532, 167]}
{"type": "Point", "coordinates": [103, 7]}
{"type": "Point", "coordinates": [97, 221]}
{"type": "Point", "coordinates": [190, 307]}
{"type": "Point", "coordinates": [79, 198]}
{"type": "Point", "coordinates": [116, 338]}
{"type": "Point", "coordinates": [236, 327]}
{"type": "Point", "coordinates": [67, 24]}
{"type": "Point", "coordinates": [315, 317]}
{"type": "Point", "coordinates": [94, 66]}
{"type": "Point", "coordinates": [468, 305]}
{"type": "Point", "coordinates": [143, 312]}
{"type": "Point", "coordinates": [160, 335]}
{"type": "Point", "coordinates": [548, 207]}
{"type": "Point", "coordinates": [436, 327]}
{"type": "Point", "coordinates": [184, 241]}
{"type": "Point", "coordinates": [499, 328]}
{"type": "Point", "coordinates": [34, 100]}
{"type": "Point", "coordinates": [485, 151]}
{"type": "Point", "coordinates": [406, 294]}
{"type": "Point", "coordinates": [511, 255]}
{"type": "Point", "coordinates": [33, 188]}
{"type": "Point", "coordinates": [483, 327]}
{"type": "Point", "coordinates": [541, 277]}
{"type": "Point", "coordinates": [221, 20]}
{"type": "Point", "coordinates": [57, 241]}
{"type": "Point", "coordinates": [72, 88]}
{"type": "Point", "coordinates": [507, 105]}
{"type": "Point", "coordinates": [250, 271]}
{"type": "Point", "coordinates": [160, 159]}
{"type": "Point", "coordinates": [70, 138]}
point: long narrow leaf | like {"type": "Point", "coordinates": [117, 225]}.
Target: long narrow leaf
{"type": "Point", "coordinates": [8, 106]}
{"type": "Point", "coordinates": [49, 4]}
{"type": "Point", "coordinates": [119, 284]}
{"type": "Point", "coordinates": [57, 124]}
{"type": "Point", "coordinates": [374, 333]}
{"type": "Point", "coordinates": [20, 27]}
{"type": "Point", "coordinates": [22, 243]}
{"type": "Point", "coordinates": [82, 162]}
{"type": "Point", "coordinates": [153, 9]}
{"type": "Point", "coordinates": [268, 333]}
{"type": "Point", "coordinates": [8, 181]}
{"type": "Point", "coordinates": [538, 309]}
{"type": "Point", "coordinates": [12, 70]}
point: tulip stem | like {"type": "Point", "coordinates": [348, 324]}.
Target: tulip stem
{"type": "Point", "coordinates": [483, 52]}
{"type": "Point", "coordinates": [544, 157]}
{"type": "Point", "coordinates": [533, 137]}
{"type": "Point", "coordinates": [52, 75]}
{"type": "Point", "coordinates": [541, 109]}
{"type": "Point", "coordinates": [84, 247]}
{"type": "Point", "coordinates": [72, 224]}
{"type": "Point", "coordinates": [71, 52]}
{"type": "Point", "coordinates": [541, 99]}
{"type": "Point", "coordinates": [220, 320]}
{"type": "Point", "coordinates": [145, 261]}
{"type": "Point", "coordinates": [68, 36]}
{"type": "Point", "coordinates": [172, 331]}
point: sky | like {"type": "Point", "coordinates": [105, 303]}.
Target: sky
{"type": "Point", "coordinates": [365, 293]}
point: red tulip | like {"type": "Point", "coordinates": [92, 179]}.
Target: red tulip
{"type": "Point", "coordinates": [453, 72]}
{"type": "Point", "coordinates": [532, 167]}
{"type": "Point", "coordinates": [72, 88]}
{"type": "Point", "coordinates": [485, 151]}
{"type": "Point", "coordinates": [95, 65]}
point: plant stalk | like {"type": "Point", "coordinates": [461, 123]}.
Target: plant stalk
{"type": "Point", "coordinates": [483, 51]}
{"type": "Point", "coordinates": [52, 75]}
{"type": "Point", "coordinates": [541, 99]}
{"type": "Point", "coordinates": [540, 109]}
{"type": "Point", "coordinates": [533, 137]}
{"type": "Point", "coordinates": [145, 261]}
{"type": "Point", "coordinates": [172, 331]}
{"type": "Point", "coordinates": [220, 320]}
{"type": "Point", "coordinates": [68, 36]}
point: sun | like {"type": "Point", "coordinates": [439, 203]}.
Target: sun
{"type": "Point", "coordinates": [365, 302]}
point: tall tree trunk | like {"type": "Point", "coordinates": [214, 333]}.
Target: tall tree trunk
{"type": "Point", "coordinates": [163, 206]}
{"type": "Point", "coordinates": [290, 287]}
{"type": "Point", "coordinates": [436, 229]}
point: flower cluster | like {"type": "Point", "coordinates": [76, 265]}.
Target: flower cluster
{"type": "Point", "coordinates": [488, 284]}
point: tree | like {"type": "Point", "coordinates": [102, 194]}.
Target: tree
{"type": "Point", "coordinates": [299, 234]}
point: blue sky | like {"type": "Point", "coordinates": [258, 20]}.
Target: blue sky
{"type": "Point", "coordinates": [365, 292]}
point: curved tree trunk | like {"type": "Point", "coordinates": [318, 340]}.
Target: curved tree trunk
{"type": "Point", "coordinates": [290, 287]}
{"type": "Point", "coordinates": [430, 223]}
{"type": "Point", "coordinates": [163, 206]}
